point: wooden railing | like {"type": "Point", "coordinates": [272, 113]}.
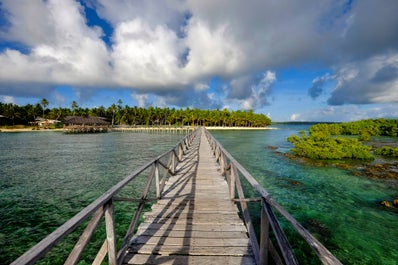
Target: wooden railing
{"type": "Point", "coordinates": [104, 206]}
{"type": "Point", "coordinates": [233, 171]}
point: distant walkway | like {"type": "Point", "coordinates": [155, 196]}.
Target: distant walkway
{"type": "Point", "coordinates": [195, 222]}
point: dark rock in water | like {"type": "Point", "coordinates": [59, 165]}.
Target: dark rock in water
{"type": "Point", "coordinates": [272, 147]}
{"type": "Point", "coordinates": [317, 227]}
{"type": "Point", "coordinates": [295, 182]}
{"type": "Point", "coordinates": [382, 171]}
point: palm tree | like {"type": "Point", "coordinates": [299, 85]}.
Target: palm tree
{"type": "Point", "coordinates": [112, 109]}
{"type": "Point", "coordinates": [44, 103]}
{"type": "Point", "coordinates": [74, 107]}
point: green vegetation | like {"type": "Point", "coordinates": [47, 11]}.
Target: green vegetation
{"type": "Point", "coordinates": [323, 143]}
{"type": "Point", "coordinates": [126, 115]}
{"type": "Point", "coordinates": [322, 146]}
{"type": "Point", "coordinates": [372, 127]}
{"type": "Point", "coordinates": [387, 151]}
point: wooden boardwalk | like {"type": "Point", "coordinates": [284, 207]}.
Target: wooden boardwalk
{"type": "Point", "coordinates": [195, 222]}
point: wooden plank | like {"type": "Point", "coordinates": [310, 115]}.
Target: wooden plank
{"type": "Point", "coordinates": [183, 260]}
{"type": "Point", "coordinates": [173, 221]}
{"type": "Point", "coordinates": [193, 215]}
{"type": "Point", "coordinates": [190, 250]}
{"type": "Point", "coordinates": [195, 227]}
{"type": "Point", "coordinates": [191, 233]}
{"type": "Point", "coordinates": [194, 222]}
{"type": "Point", "coordinates": [191, 241]}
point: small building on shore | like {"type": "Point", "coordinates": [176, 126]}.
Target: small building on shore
{"type": "Point", "coordinates": [82, 124]}
{"type": "Point", "coordinates": [41, 122]}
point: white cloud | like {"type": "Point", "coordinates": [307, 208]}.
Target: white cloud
{"type": "Point", "coordinates": [372, 80]}
{"type": "Point", "coordinates": [145, 57]}
{"type": "Point", "coordinates": [64, 50]}
{"type": "Point", "coordinates": [295, 117]}
{"type": "Point", "coordinates": [8, 99]}
{"type": "Point", "coordinates": [171, 49]}
{"type": "Point", "coordinates": [346, 113]}
{"type": "Point", "coordinates": [141, 99]}
{"type": "Point", "coordinates": [251, 92]}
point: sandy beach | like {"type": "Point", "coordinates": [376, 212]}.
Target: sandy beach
{"type": "Point", "coordinates": [7, 130]}
{"type": "Point", "coordinates": [239, 128]}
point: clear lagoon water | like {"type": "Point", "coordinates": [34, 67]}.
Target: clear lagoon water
{"type": "Point", "coordinates": [47, 177]}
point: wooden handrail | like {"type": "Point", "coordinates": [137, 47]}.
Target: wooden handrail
{"type": "Point", "coordinates": [103, 206]}
{"type": "Point", "coordinates": [231, 171]}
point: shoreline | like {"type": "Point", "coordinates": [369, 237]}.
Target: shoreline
{"type": "Point", "coordinates": [16, 130]}
{"type": "Point", "coordinates": [239, 128]}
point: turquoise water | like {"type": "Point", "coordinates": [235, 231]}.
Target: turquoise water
{"type": "Point", "coordinates": [47, 177]}
{"type": "Point", "coordinates": [58, 175]}
{"type": "Point", "coordinates": [340, 209]}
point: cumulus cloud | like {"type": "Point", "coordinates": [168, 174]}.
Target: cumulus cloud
{"type": "Point", "coordinates": [317, 85]}
{"type": "Point", "coordinates": [8, 99]}
{"type": "Point", "coordinates": [171, 49]}
{"type": "Point", "coordinates": [346, 113]}
{"type": "Point", "coordinates": [63, 49]}
{"type": "Point", "coordinates": [372, 80]}
{"type": "Point", "coordinates": [251, 92]}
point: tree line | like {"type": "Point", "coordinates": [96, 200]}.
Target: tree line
{"type": "Point", "coordinates": [118, 114]}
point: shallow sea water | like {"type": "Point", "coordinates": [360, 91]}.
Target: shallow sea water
{"type": "Point", "coordinates": [47, 177]}
{"type": "Point", "coordinates": [340, 209]}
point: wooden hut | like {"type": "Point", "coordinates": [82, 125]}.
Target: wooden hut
{"type": "Point", "coordinates": [81, 124]}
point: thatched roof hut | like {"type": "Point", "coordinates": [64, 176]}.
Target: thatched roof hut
{"type": "Point", "coordinates": [80, 124]}
{"type": "Point", "coordinates": [89, 121]}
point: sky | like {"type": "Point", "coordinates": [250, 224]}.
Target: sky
{"type": "Point", "coordinates": [328, 60]}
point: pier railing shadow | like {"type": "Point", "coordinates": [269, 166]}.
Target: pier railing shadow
{"type": "Point", "coordinates": [263, 248]}
{"type": "Point", "coordinates": [104, 208]}
{"type": "Point", "coordinates": [180, 201]}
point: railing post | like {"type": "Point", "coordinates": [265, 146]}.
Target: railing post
{"type": "Point", "coordinates": [76, 253]}
{"type": "Point", "coordinates": [156, 165]}
{"type": "Point", "coordinates": [232, 182]}
{"type": "Point", "coordinates": [180, 152]}
{"type": "Point", "coordinates": [264, 234]}
{"type": "Point", "coordinates": [173, 163]}
{"type": "Point", "coordinates": [222, 164]}
{"type": "Point", "coordinates": [110, 233]}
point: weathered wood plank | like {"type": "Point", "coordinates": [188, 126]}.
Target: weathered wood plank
{"type": "Point", "coordinates": [194, 222]}
{"type": "Point", "coordinates": [191, 233]}
{"type": "Point", "coordinates": [191, 241]}
{"type": "Point", "coordinates": [190, 250]}
{"type": "Point", "coordinates": [183, 260]}
{"type": "Point", "coordinates": [195, 227]}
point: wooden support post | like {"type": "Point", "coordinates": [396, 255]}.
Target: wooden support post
{"type": "Point", "coordinates": [264, 234]}
{"type": "Point", "coordinates": [110, 234]}
{"type": "Point", "coordinates": [284, 245]}
{"type": "Point", "coordinates": [101, 254]}
{"type": "Point", "coordinates": [157, 182]}
{"type": "Point", "coordinates": [76, 253]}
{"type": "Point", "coordinates": [173, 163]}
{"type": "Point", "coordinates": [233, 178]}
{"type": "Point", "coordinates": [180, 152]}
{"type": "Point", "coordinates": [246, 216]}
{"type": "Point", "coordinates": [222, 164]}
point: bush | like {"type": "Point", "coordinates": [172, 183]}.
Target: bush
{"type": "Point", "coordinates": [324, 147]}
{"type": "Point", "coordinates": [387, 151]}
